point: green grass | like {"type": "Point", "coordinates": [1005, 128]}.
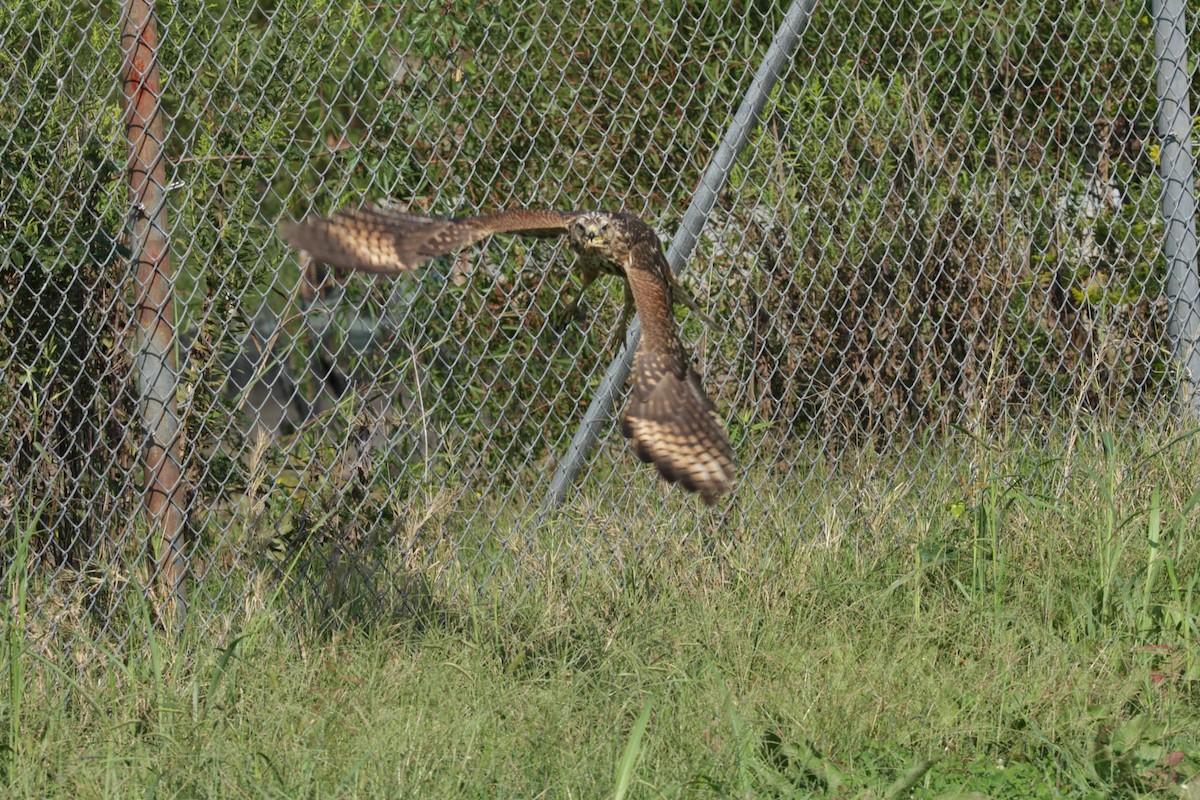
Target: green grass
{"type": "Point", "coordinates": [1032, 631]}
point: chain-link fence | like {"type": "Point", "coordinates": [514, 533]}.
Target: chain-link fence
{"type": "Point", "coordinates": [945, 231]}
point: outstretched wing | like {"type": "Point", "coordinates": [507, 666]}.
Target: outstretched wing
{"type": "Point", "coordinates": [374, 239]}
{"type": "Point", "coordinates": [672, 424]}
{"type": "Point", "coordinates": [669, 419]}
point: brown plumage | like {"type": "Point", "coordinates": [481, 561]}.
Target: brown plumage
{"type": "Point", "coordinates": [669, 420]}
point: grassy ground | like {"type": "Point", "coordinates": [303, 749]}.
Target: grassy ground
{"type": "Point", "coordinates": [1035, 635]}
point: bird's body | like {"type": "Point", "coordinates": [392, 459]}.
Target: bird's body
{"type": "Point", "coordinates": [669, 419]}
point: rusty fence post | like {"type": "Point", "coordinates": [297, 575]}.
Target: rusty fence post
{"type": "Point", "coordinates": [154, 358]}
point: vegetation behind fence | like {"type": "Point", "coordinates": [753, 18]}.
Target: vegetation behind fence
{"type": "Point", "coordinates": [948, 221]}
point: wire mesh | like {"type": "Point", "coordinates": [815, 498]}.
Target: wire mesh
{"type": "Point", "coordinates": [944, 235]}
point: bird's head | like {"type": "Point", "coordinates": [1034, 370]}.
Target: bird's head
{"type": "Point", "coordinates": [592, 231]}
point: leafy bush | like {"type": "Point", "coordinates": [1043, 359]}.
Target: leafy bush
{"type": "Point", "coordinates": [932, 271]}
{"type": "Point", "coordinates": [64, 382]}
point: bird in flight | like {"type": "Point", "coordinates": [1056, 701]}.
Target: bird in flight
{"type": "Point", "coordinates": [669, 420]}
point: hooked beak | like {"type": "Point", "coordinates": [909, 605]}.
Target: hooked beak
{"type": "Point", "coordinates": [592, 237]}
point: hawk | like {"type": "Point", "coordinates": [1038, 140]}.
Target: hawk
{"type": "Point", "coordinates": [668, 419]}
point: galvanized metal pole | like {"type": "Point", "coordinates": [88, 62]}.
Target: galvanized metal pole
{"type": "Point", "coordinates": [778, 56]}
{"type": "Point", "coordinates": [1177, 168]}
{"type": "Point", "coordinates": [154, 329]}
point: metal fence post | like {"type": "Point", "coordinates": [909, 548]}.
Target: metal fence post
{"type": "Point", "coordinates": [1176, 166]}
{"type": "Point", "coordinates": [778, 56]}
{"type": "Point", "coordinates": [154, 329]}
